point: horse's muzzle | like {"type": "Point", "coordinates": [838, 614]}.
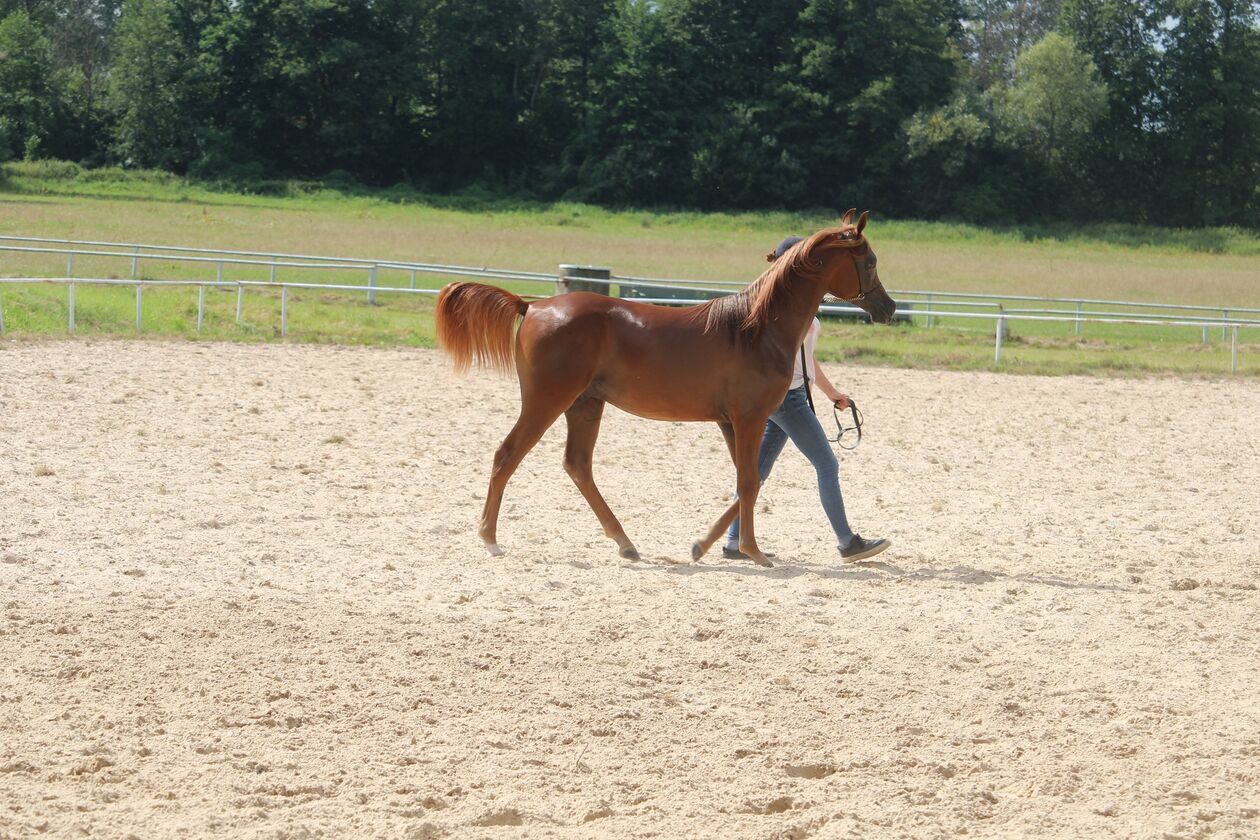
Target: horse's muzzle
{"type": "Point", "coordinates": [885, 312]}
{"type": "Point", "coordinates": [880, 306]}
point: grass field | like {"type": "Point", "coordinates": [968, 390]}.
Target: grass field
{"type": "Point", "coordinates": [1218, 267]}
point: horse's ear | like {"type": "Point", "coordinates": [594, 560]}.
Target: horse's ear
{"type": "Point", "coordinates": [861, 222]}
{"type": "Point", "coordinates": [770, 257]}
{"type": "Point", "coordinates": [848, 217]}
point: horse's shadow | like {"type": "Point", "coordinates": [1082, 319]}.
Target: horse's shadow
{"type": "Point", "coordinates": [878, 570]}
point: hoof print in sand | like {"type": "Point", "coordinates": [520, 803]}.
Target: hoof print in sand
{"type": "Point", "coordinates": [809, 771]}
{"type": "Point", "coordinates": [505, 816]}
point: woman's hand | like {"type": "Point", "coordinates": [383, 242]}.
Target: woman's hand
{"type": "Point", "coordinates": [838, 399]}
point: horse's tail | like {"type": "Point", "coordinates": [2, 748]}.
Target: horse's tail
{"type": "Point", "coordinates": [475, 320]}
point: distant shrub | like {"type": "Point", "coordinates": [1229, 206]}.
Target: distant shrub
{"type": "Point", "coordinates": [48, 169]}
{"type": "Point", "coordinates": [118, 175]}
{"type": "Point", "coordinates": [340, 179]}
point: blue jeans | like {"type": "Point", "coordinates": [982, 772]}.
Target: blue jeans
{"type": "Point", "coordinates": [794, 420]}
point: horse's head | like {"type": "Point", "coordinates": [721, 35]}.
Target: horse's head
{"type": "Point", "coordinates": [848, 267]}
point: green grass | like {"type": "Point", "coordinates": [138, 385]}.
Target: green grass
{"type": "Point", "coordinates": [1123, 262]}
{"type": "Point", "coordinates": [313, 316]}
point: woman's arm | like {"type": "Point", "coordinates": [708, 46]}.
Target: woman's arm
{"type": "Point", "coordinates": [838, 399]}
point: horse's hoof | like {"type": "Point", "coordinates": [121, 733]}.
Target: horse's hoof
{"type": "Point", "coordinates": [494, 550]}
{"type": "Point", "coordinates": [630, 553]}
{"type": "Point", "coordinates": [697, 550]}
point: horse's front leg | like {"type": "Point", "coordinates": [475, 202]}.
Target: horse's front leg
{"type": "Point", "coordinates": [748, 433]}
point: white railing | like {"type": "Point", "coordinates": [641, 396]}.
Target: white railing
{"type": "Point", "coordinates": [924, 304]}
{"type": "Point", "coordinates": [1001, 319]}
{"type": "Point", "coordinates": [926, 298]}
{"type": "Point", "coordinates": [201, 285]}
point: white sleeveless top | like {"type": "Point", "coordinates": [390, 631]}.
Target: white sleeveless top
{"type": "Point", "coordinates": [811, 341]}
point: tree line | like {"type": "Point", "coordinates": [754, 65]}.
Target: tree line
{"type": "Point", "coordinates": [995, 110]}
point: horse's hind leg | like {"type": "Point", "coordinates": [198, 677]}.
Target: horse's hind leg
{"type": "Point", "coordinates": [583, 418]}
{"type": "Point", "coordinates": [536, 417]}
{"type": "Point", "coordinates": [700, 547]}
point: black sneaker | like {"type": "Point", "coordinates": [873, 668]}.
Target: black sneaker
{"type": "Point", "coordinates": [735, 554]}
{"type": "Point", "coordinates": [860, 549]}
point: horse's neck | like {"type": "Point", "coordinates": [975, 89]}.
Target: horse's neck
{"type": "Point", "coordinates": [793, 309]}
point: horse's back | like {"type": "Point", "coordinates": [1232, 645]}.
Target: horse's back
{"type": "Point", "coordinates": [596, 324]}
{"type": "Point", "coordinates": [651, 360]}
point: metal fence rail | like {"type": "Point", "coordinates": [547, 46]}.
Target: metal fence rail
{"type": "Point", "coordinates": [926, 304]}
{"type": "Point", "coordinates": [143, 251]}
{"type": "Point", "coordinates": [137, 252]}
{"type": "Point", "coordinates": [1001, 319]}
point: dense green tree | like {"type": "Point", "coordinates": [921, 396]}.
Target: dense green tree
{"type": "Point", "coordinates": [862, 69]}
{"type": "Point", "coordinates": [688, 107]}
{"type": "Point", "coordinates": [742, 60]}
{"type": "Point", "coordinates": [634, 147]}
{"type": "Point", "coordinates": [1052, 105]}
{"type": "Point", "coordinates": [27, 95]}
{"type": "Point", "coordinates": [953, 163]}
{"type": "Point", "coordinates": [1210, 128]}
{"type": "Point", "coordinates": [42, 12]}
{"type": "Point", "coordinates": [1120, 37]}
{"type": "Point", "coordinates": [148, 89]}
{"type": "Point", "coordinates": [81, 34]}
{"type": "Point", "coordinates": [297, 86]}
{"type": "Point", "coordinates": [995, 32]}
{"type": "Point", "coordinates": [496, 94]}
{"type": "Point", "coordinates": [914, 107]}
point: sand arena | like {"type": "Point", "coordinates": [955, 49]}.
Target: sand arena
{"type": "Point", "coordinates": [243, 596]}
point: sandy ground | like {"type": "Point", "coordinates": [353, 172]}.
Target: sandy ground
{"type": "Point", "coordinates": [243, 597]}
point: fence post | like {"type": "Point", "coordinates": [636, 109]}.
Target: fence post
{"type": "Point", "coordinates": [240, 301]}
{"type": "Point", "coordinates": [218, 273]}
{"type": "Point", "coordinates": [1, 316]}
{"type": "Point", "coordinates": [135, 255]}
{"type": "Point", "coordinates": [929, 309]}
{"type": "Point", "coordinates": [71, 309]}
{"type": "Point", "coordinates": [1224, 317]}
{"type": "Point", "coordinates": [284, 311]}
{"type": "Point", "coordinates": [1205, 334]}
{"type": "Point", "coordinates": [139, 305]}
{"type": "Point", "coordinates": [273, 269]}
{"type": "Point", "coordinates": [201, 305]}
{"type": "Point", "coordinates": [573, 278]}
{"type": "Point", "coordinates": [1078, 317]}
{"type": "Point", "coordinates": [1233, 349]}
{"type": "Point", "coordinates": [372, 285]}
{"type": "Point", "coordinates": [997, 340]}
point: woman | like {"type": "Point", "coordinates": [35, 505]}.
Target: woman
{"type": "Point", "coordinates": [795, 419]}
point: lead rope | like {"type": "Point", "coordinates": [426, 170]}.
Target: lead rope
{"type": "Point", "coordinates": [840, 427]}
{"type": "Point", "coordinates": [805, 373]}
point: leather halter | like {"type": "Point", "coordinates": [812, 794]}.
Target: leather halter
{"type": "Point", "coordinates": [864, 264]}
{"type": "Point", "coordinates": [866, 283]}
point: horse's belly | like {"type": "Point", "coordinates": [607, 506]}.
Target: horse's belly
{"type": "Point", "coordinates": [657, 404]}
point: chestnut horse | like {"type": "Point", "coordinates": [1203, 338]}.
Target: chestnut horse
{"type": "Point", "coordinates": [728, 360]}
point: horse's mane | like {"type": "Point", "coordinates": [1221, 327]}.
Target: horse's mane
{"type": "Point", "coordinates": [748, 311]}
